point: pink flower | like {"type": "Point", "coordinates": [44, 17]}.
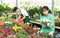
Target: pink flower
{"type": "Point", "coordinates": [38, 35]}
{"type": "Point", "coordinates": [34, 30]}
{"type": "Point", "coordinates": [4, 35]}
{"type": "Point", "coordinates": [1, 36]}
{"type": "Point", "coordinates": [0, 30]}
{"type": "Point", "coordinates": [19, 21]}
{"type": "Point", "coordinates": [13, 36]}
{"type": "Point", "coordinates": [7, 30]}
{"type": "Point", "coordinates": [32, 36]}
{"type": "Point", "coordinates": [13, 21]}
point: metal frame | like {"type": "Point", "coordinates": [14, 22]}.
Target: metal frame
{"type": "Point", "coordinates": [16, 3]}
{"type": "Point", "coordinates": [1, 1]}
{"type": "Point", "coordinates": [53, 7]}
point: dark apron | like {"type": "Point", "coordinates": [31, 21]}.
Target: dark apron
{"type": "Point", "coordinates": [27, 19]}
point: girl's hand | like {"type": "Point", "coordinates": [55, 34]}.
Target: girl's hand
{"type": "Point", "coordinates": [49, 26]}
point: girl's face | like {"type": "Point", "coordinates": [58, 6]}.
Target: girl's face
{"type": "Point", "coordinates": [45, 11]}
{"type": "Point", "coordinates": [18, 10]}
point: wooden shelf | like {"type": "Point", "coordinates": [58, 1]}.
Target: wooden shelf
{"type": "Point", "coordinates": [35, 22]}
{"type": "Point", "coordinates": [57, 27]}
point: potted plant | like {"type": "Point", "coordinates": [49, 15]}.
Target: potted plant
{"type": "Point", "coordinates": [57, 22]}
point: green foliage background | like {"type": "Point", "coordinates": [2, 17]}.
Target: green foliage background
{"type": "Point", "coordinates": [34, 11]}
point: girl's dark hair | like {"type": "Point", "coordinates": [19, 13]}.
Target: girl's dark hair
{"type": "Point", "coordinates": [15, 8]}
{"type": "Point", "coordinates": [45, 7]}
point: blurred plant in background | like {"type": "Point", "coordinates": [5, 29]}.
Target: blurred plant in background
{"type": "Point", "coordinates": [57, 22]}
{"type": "Point", "coordinates": [33, 11]}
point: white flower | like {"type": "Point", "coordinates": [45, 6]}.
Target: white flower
{"type": "Point", "coordinates": [47, 20]}
{"type": "Point", "coordinates": [44, 20]}
{"type": "Point", "coordinates": [8, 22]}
{"type": "Point", "coordinates": [38, 32]}
{"type": "Point", "coordinates": [48, 24]}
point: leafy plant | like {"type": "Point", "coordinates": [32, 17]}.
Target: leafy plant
{"type": "Point", "coordinates": [57, 22]}
{"type": "Point", "coordinates": [5, 8]}
{"type": "Point", "coordinates": [35, 10]}
{"type": "Point", "coordinates": [20, 34]}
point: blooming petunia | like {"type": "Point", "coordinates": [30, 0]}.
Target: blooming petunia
{"type": "Point", "coordinates": [19, 21]}
{"type": "Point", "coordinates": [0, 30]}
{"type": "Point", "coordinates": [13, 21]}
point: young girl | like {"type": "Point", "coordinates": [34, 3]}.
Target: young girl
{"type": "Point", "coordinates": [45, 14]}
{"type": "Point", "coordinates": [22, 12]}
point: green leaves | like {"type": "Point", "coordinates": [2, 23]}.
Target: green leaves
{"type": "Point", "coordinates": [8, 25]}
{"type": "Point", "coordinates": [57, 22]}
{"type": "Point", "coordinates": [33, 11]}
{"type": "Point", "coordinates": [20, 34]}
{"type": "Point", "coordinates": [5, 8]}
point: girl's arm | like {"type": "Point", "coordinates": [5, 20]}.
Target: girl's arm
{"type": "Point", "coordinates": [52, 21]}
{"type": "Point", "coordinates": [19, 17]}
{"type": "Point", "coordinates": [23, 17]}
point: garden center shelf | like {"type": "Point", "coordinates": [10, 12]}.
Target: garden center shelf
{"type": "Point", "coordinates": [34, 23]}
{"type": "Point", "coordinates": [57, 27]}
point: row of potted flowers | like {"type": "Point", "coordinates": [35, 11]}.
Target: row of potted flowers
{"type": "Point", "coordinates": [17, 25]}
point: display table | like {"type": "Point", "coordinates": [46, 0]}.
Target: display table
{"type": "Point", "coordinates": [38, 24]}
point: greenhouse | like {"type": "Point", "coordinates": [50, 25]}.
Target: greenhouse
{"type": "Point", "coordinates": [29, 18]}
